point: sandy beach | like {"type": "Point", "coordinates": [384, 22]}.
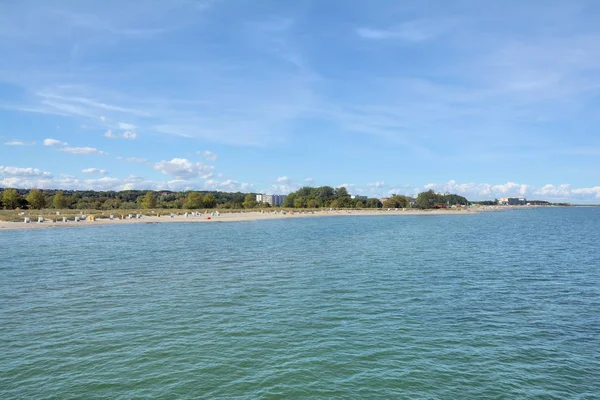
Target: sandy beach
{"type": "Point", "coordinates": [224, 217]}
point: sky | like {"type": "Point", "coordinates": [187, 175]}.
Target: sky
{"type": "Point", "coordinates": [483, 99]}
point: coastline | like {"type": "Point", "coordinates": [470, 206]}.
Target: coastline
{"type": "Point", "coordinates": [227, 217]}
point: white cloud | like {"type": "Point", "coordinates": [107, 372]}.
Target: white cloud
{"type": "Point", "coordinates": [94, 171]}
{"type": "Point", "coordinates": [125, 126]}
{"type": "Point", "coordinates": [128, 135]}
{"type": "Point", "coordinates": [102, 118]}
{"type": "Point", "coordinates": [54, 142]}
{"type": "Point", "coordinates": [565, 192]}
{"type": "Point", "coordinates": [133, 159]}
{"type": "Point", "coordinates": [473, 190]}
{"type": "Point", "coordinates": [209, 155]}
{"type": "Point", "coordinates": [309, 180]}
{"type": "Point", "coordinates": [395, 191]}
{"type": "Point", "coordinates": [105, 183]}
{"type": "Point", "coordinates": [560, 191]}
{"type": "Point", "coordinates": [182, 168]}
{"type": "Point", "coordinates": [228, 186]}
{"type": "Point", "coordinates": [588, 191]}
{"type": "Point", "coordinates": [284, 185]}
{"type": "Point", "coordinates": [18, 143]}
{"type": "Point", "coordinates": [378, 184]}
{"type": "Point", "coordinates": [511, 187]}
{"type": "Point", "coordinates": [23, 172]}
{"type": "Point", "coordinates": [82, 150]}
{"type": "Point", "coordinates": [109, 134]}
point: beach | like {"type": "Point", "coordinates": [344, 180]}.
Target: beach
{"type": "Point", "coordinates": [222, 217]}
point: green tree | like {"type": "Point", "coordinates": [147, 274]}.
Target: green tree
{"type": "Point", "coordinates": [426, 199]}
{"type": "Point", "coordinates": [455, 199]}
{"type": "Point", "coordinates": [312, 203]}
{"type": "Point", "coordinates": [299, 202]}
{"type": "Point", "coordinates": [36, 199]}
{"type": "Point", "coordinates": [10, 199]}
{"type": "Point", "coordinates": [305, 192]}
{"type": "Point", "coordinates": [149, 201]}
{"type": "Point", "coordinates": [397, 202]}
{"type": "Point", "coordinates": [193, 201]}
{"type": "Point", "coordinates": [111, 204]}
{"type": "Point", "coordinates": [289, 200]}
{"type": "Point", "coordinates": [373, 203]}
{"type": "Point", "coordinates": [343, 198]}
{"type": "Point", "coordinates": [59, 201]}
{"type": "Point", "coordinates": [341, 192]}
{"type": "Point", "coordinates": [249, 201]}
{"type": "Point", "coordinates": [325, 195]}
{"type": "Point", "coordinates": [210, 201]}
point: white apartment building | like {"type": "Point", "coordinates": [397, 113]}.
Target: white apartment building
{"type": "Point", "coordinates": [272, 199]}
{"type": "Point", "coordinates": [512, 201]}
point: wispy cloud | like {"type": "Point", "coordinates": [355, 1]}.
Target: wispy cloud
{"type": "Point", "coordinates": [94, 171]}
{"type": "Point", "coordinates": [412, 31]}
{"type": "Point", "coordinates": [228, 185]}
{"type": "Point", "coordinates": [127, 135]}
{"type": "Point", "coordinates": [208, 155]}
{"type": "Point", "coordinates": [83, 106]}
{"type": "Point", "coordinates": [82, 150]}
{"type": "Point", "coordinates": [126, 126]}
{"type": "Point", "coordinates": [109, 134]}
{"type": "Point", "coordinates": [378, 184]}
{"type": "Point", "coordinates": [133, 159]}
{"type": "Point", "coordinates": [54, 142]}
{"type": "Point", "coordinates": [18, 143]}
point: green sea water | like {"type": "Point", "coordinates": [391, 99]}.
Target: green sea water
{"type": "Point", "coordinates": [493, 305]}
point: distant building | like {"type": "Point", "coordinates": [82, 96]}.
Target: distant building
{"type": "Point", "coordinates": [357, 197]}
{"type": "Point", "coordinates": [272, 199]}
{"type": "Point", "coordinates": [512, 201]}
{"type": "Point", "coordinates": [384, 199]}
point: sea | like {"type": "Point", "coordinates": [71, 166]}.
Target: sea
{"type": "Point", "coordinates": [495, 305]}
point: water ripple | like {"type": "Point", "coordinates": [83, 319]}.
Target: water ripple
{"type": "Point", "coordinates": [502, 305]}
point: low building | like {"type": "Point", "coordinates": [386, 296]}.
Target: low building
{"type": "Point", "coordinates": [357, 197]}
{"type": "Point", "coordinates": [271, 199]}
{"type": "Point", "coordinates": [512, 201]}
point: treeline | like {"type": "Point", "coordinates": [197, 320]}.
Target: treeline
{"type": "Point", "coordinates": [111, 200]}
{"type": "Point", "coordinates": [306, 197]}
{"type": "Point", "coordinates": [431, 199]}
{"type": "Point", "coordinates": [326, 197]}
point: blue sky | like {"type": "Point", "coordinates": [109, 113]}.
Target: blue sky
{"type": "Point", "coordinates": [485, 99]}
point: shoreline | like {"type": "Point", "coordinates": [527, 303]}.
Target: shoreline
{"type": "Point", "coordinates": [226, 217]}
